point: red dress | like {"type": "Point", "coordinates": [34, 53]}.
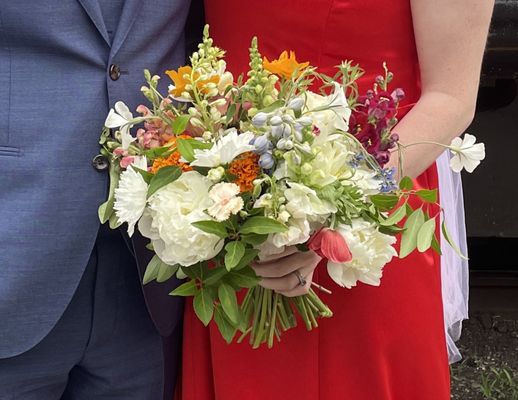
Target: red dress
{"type": "Point", "coordinates": [383, 342]}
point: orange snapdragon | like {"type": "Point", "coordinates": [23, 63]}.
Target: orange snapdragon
{"type": "Point", "coordinates": [173, 159]}
{"type": "Point", "coordinates": [180, 81]}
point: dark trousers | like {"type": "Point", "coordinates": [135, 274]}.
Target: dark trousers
{"type": "Point", "coordinates": [105, 345]}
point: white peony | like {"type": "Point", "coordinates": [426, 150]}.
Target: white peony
{"type": "Point", "coordinates": [328, 113]}
{"type": "Point", "coordinates": [169, 217]}
{"type": "Point", "coordinates": [370, 249]}
{"type": "Point", "coordinates": [131, 196]}
{"type": "Point", "coordinates": [121, 117]}
{"type": "Point", "coordinates": [298, 232]}
{"type": "Point", "coordinates": [224, 150]}
{"type": "Point", "coordinates": [466, 153]}
{"type": "Point", "coordinates": [226, 201]}
{"type": "Point", "coordinates": [303, 202]}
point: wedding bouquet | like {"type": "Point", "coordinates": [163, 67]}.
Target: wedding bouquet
{"type": "Point", "coordinates": [225, 171]}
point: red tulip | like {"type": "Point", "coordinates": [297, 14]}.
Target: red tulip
{"type": "Point", "coordinates": [330, 244]}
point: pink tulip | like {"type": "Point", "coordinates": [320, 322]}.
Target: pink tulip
{"type": "Point", "coordinates": [330, 244]}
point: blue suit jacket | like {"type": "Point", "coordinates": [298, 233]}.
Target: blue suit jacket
{"type": "Point", "coordinates": [55, 92]}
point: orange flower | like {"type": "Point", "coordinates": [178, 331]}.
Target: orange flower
{"type": "Point", "coordinates": [173, 159]}
{"type": "Point", "coordinates": [285, 66]}
{"type": "Point", "coordinates": [245, 168]}
{"type": "Point", "coordinates": [179, 81]}
{"type": "Point", "coordinates": [178, 78]}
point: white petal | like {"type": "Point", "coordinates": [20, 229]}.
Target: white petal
{"type": "Point", "coordinates": [126, 137]}
{"type": "Point", "coordinates": [477, 152]}
{"type": "Point", "coordinates": [469, 140]}
{"type": "Point", "coordinates": [455, 163]}
{"type": "Point", "coordinates": [114, 120]}
{"type": "Point", "coordinates": [456, 142]}
{"type": "Point", "coordinates": [123, 110]}
{"type": "Point", "coordinates": [335, 272]}
{"type": "Point", "coordinates": [469, 163]}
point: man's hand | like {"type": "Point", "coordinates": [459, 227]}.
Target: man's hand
{"type": "Point", "coordinates": [280, 271]}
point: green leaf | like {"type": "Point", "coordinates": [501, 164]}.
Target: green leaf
{"type": "Point", "coordinates": [106, 209]}
{"type": "Point", "coordinates": [254, 239]}
{"type": "Point", "coordinates": [250, 255]}
{"type": "Point", "coordinates": [262, 226]}
{"type": "Point", "coordinates": [166, 272]}
{"type": "Point", "coordinates": [225, 327]}
{"type": "Point", "coordinates": [228, 300]}
{"type": "Point", "coordinates": [214, 227]}
{"type": "Point", "coordinates": [230, 112]}
{"type": "Point", "coordinates": [385, 202]}
{"type": "Point", "coordinates": [435, 245]}
{"type": "Point", "coordinates": [186, 289]}
{"type": "Point", "coordinates": [395, 217]}
{"type": "Point", "coordinates": [204, 306]}
{"type": "Point", "coordinates": [185, 149]}
{"type": "Point", "coordinates": [214, 276]}
{"type": "Point", "coordinates": [114, 222]}
{"type": "Point", "coordinates": [180, 123]}
{"type": "Point", "coordinates": [243, 278]}
{"type": "Point", "coordinates": [163, 177]}
{"type": "Point", "coordinates": [234, 253]}
{"type": "Point", "coordinates": [152, 270]}
{"type": "Point", "coordinates": [148, 176]}
{"type": "Point", "coordinates": [406, 183]}
{"type": "Point", "coordinates": [409, 237]}
{"type": "Point", "coordinates": [429, 196]}
{"type": "Point", "coordinates": [159, 270]}
{"type": "Point", "coordinates": [450, 241]}
{"type": "Point", "coordinates": [425, 235]}
{"type": "Point", "coordinates": [193, 271]}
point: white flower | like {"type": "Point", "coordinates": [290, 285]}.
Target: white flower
{"type": "Point", "coordinates": [467, 154]}
{"type": "Point", "coordinates": [370, 249]}
{"type": "Point", "coordinates": [131, 196]}
{"type": "Point", "coordinates": [298, 232]}
{"type": "Point", "coordinates": [329, 113]}
{"type": "Point", "coordinates": [226, 201]}
{"type": "Point", "coordinates": [303, 202]}
{"type": "Point", "coordinates": [121, 118]}
{"type": "Point", "coordinates": [330, 163]}
{"type": "Point", "coordinates": [366, 180]}
{"type": "Point", "coordinates": [168, 221]}
{"type": "Point", "coordinates": [216, 174]}
{"type": "Point", "coordinates": [224, 150]}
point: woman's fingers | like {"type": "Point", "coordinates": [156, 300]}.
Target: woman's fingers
{"type": "Point", "coordinates": [288, 282]}
{"type": "Point", "coordinates": [299, 290]}
{"type": "Point", "coordinates": [284, 266]}
{"type": "Point", "coordinates": [288, 251]}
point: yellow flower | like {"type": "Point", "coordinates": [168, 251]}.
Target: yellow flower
{"type": "Point", "coordinates": [178, 78]}
{"type": "Point", "coordinates": [285, 66]}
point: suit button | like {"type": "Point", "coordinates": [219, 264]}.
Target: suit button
{"type": "Point", "coordinates": [115, 72]}
{"type": "Point", "coordinates": [100, 163]}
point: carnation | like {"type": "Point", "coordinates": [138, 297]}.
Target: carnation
{"type": "Point", "coordinates": [226, 201]}
{"type": "Point", "coordinates": [169, 217]}
{"type": "Point", "coordinates": [130, 197]}
{"type": "Point", "coordinates": [371, 250]}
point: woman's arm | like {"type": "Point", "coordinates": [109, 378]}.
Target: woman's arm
{"type": "Point", "coordinates": [450, 38]}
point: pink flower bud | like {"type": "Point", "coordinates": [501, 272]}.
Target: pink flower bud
{"type": "Point", "coordinates": [127, 161]}
{"type": "Point", "coordinates": [330, 244]}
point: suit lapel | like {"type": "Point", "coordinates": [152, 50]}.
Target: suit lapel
{"type": "Point", "coordinates": [93, 10]}
{"type": "Point", "coordinates": [128, 17]}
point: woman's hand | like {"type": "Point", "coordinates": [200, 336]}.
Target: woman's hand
{"type": "Point", "coordinates": [280, 272]}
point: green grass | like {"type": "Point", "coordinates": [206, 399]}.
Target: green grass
{"type": "Point", "coordinates": [499, 384]}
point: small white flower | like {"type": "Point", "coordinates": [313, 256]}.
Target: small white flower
{"type": "Point", "coordinates": [466, 153]}
{"type": "Point", "coordinates": [303, 202]}
{"type": "Point", "coordinates": [328, 113]}
{"type": "Point", "coordinates": [121, 117]}
{"type": "Point", "coordinates": [216, 174]}
{"type": "Point", "coordinates": [371, 251]}
{"type": "Point", "coordinates": [298, 232]}
{"type": "Point", "coordinates": [228, 147]}
{"type": "Point", "coordinates": [226, 201]}
{"type": "Point", "coordinates": [131, 197]}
